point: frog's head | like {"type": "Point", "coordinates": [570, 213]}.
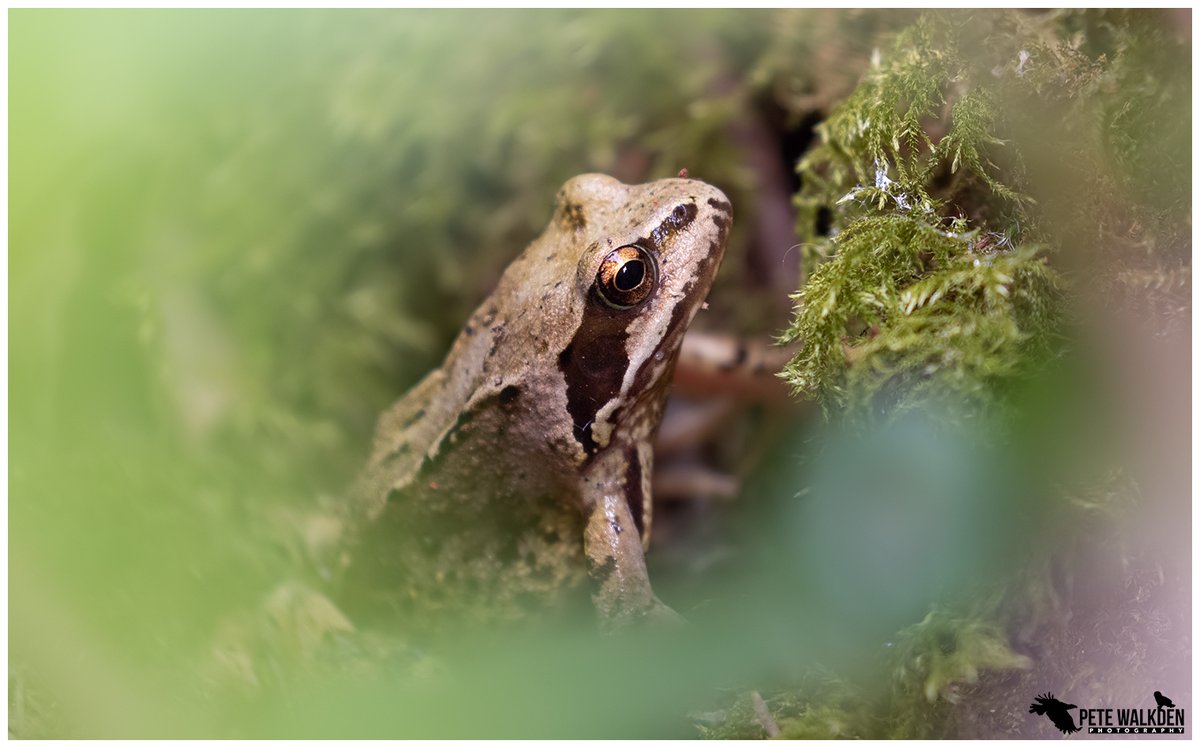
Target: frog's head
{"type": "Point", "coordinates": [648, 257]}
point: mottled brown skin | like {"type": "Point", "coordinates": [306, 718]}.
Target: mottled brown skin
{"type": "Point", "coordinates": [521, 467]}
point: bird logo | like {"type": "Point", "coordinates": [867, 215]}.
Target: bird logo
{"type": "Point", "coordinates": [1056, 711]}
{"type": "Point", "coordinates": [1163, 701]}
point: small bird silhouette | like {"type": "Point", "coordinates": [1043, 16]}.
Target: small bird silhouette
{"type": "Point", "coordinates": [1056, 711]}
{"type": "Point", "coordinates": [1163, 700]}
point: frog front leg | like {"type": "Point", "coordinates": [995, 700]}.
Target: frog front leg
{"type": "Point", "coordinates": [616, 503]}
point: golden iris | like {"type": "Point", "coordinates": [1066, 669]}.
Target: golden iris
{"type": "Point", "coordinates": [626, 277]}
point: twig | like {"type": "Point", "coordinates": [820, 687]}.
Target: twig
{"type": "Point", "coordinates": [764, 715]}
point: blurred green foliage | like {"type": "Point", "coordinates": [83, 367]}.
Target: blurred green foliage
{"type": "Point", "coordinates": [235, 236]}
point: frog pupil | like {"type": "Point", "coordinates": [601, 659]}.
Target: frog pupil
{"type": "Point", "coordinates": [630, 275]}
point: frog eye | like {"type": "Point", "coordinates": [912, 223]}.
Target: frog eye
{"type": "Point", "coordinates": [626, 277]}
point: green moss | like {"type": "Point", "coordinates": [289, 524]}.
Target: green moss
{"type": "Point", "coordinates": [908, 309]}
{"type": "Point", "coordinates": [825, 706]}
{"type": "Point", "coordinates": [913, 293]}
{"type": "Point", "coordinates": [991, 170]}
{"type": "Point", "coordinates": [948, 648]}
{"type": "Point", "coordinates": [970, 162]}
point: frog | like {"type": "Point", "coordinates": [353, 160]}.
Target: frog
{"type": "Point", "coordinates": [516, 476]}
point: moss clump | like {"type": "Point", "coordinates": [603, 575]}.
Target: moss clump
{"type": "Point", "coordinates": [932, 280]}
{"type": "Point", "coordinates": [910, 308]}
{"type": "Point", "coordinates": [979, 151]}
{"type": "Point", "coordinates": [826, 706]}
{"type": "Point", "coordinates": [944, 650]}
{"type": "Point", "coordinates": [995, 177]}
